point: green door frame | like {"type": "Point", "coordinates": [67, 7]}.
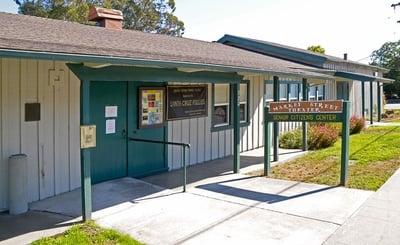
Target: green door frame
{"type": "Point", "coordinates": [126, 73]}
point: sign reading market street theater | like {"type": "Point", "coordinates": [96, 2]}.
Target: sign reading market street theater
{"type": "Point", "coordinates": [186, 101]}
{"type": "Point", "coordinates": [322, 111]}
{"type": "Point", "coordinates": [306, 111]}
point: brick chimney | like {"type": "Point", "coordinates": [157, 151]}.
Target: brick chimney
{"type": "Point", "coordinates": [108, 18]}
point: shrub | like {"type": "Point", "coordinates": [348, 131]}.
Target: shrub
{"type": "Point", "coordinates": [321, 136]}
{"type": "Point", "coordinates": [356, 124]}
{"type": "Point", "coordinates": [291, 139]}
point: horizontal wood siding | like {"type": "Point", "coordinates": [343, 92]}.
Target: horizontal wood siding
{"type": "Point", "coordinates": [52, 144]}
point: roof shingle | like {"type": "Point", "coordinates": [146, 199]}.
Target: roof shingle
{"type": "Point", "coordinates": [28, 33]}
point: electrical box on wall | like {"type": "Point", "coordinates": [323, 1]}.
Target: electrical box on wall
{"type": "Point", "coordinates": [88, 136]}
{"type": "Point", "coordinates": [32, 112]}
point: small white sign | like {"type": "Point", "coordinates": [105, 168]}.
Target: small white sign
{"type": "Point", "coordinates": [110, 126]}
{"type": "Point", "coordinates": [111, 111]}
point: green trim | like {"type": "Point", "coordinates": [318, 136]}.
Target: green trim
{"type": "Point", "coordinates": [129, 73]}
{"type": "Point", "coordinates": [379, 101]}
{"type": "Point", "coordinates": [361, 77]}
{"type": "Point", "coordinates": [236, 128]}
{"type": "Point", "coordinates": [371, 102]}
{"type": "Point", "coordinates": [276, 95]}
{"type": "Point", "coordinates": [305, 90]}
{"type": "Point", "coordinates": [276, 50]}
{"type": "Point", "coordinates": [363, 100]}
{"type": "Point", "coordinates": [231, 103]}
{"type": "Point", "coordinates": [86, 182]}
{"type": "Point", "coordinates": [79, 58]}
{"type": "Point", "coordinates": [344, 163]}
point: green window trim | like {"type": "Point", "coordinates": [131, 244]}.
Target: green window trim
{"type": "Point", "coordinates": [215, 128]}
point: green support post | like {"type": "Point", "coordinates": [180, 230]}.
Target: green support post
{"type": "Point", "coordinates": [184, 167]}
{"type": "Point", "coordinates": [276, 124]}
{"type": "Point", "coordinates": [304, 124]}
{"type": "Point", "coordinates": [288, 92]}
{"type": "Point", "coordinates": [236, 128]}
{"type": "Point", "coordinates": [363, 99]}
{"type": "Point", "coordinates": [298, 92]}
{"type": "Point", "coordinates": [371, 102]}
{"type": "Point", "coordinates": [379, 99]}
{"type": "Point", "coordinates": [267, 146]}
{"type": "Point", "coordinates": [86, 184]}
{"type": "Point", "coordinates": [345, 143]}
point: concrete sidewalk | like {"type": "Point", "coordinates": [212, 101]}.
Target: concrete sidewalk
{"type": "Point", "coordinates": [219, 207]}
{"type": "Point", "coordinates": [377, 221]}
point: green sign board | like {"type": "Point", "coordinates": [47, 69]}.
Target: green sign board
{"type": "Point", "coordinates": [303, 117]}
{"type": "Point", "coordinates": [308, 111]}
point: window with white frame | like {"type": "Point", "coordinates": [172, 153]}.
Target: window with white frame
{"type": "Point", "coordinates": [312, 92]}
{"type": "Point", "coordinates": [243, 102]}
{"type": "Point", "coordinates": [221, 109]}
{"type": "Point", "coordinates": [269, 92]}
{"type": "Point", "coordinates": [283, 91]}
{"type": "Point", "coordinates": [294, 92]}
{"type": "Point", "coordinates": [320, 92]}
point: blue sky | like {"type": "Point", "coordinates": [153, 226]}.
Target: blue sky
{"type": "Point", "coordinates": [356, 27]}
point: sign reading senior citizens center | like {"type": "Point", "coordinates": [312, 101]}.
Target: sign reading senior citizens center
{"type": "Point", "coordinates": [323, 111]}
{"type": "Point", "coordinates": [187, 101]}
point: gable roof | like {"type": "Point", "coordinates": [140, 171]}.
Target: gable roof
{"type": "Point", "coordinates": [28, 36]}
{"type": "Point", "coordinates": [289, 53]}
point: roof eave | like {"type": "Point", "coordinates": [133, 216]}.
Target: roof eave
{"type": "Point", "coordinates": [12, 53]}
{"type": "Point", "coordinates": [362, 77]}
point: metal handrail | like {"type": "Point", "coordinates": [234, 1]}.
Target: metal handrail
{"type": "Point", "coordinates": [183, 145]}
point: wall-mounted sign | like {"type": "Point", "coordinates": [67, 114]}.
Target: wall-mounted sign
{"type": "Point", "coordinates": [111, 111]}
{"type": "Point", "coordinates": [151, 107]}
{"type": "Point", "coordinates": [306, 111]}
{"type": "Point", "coordinates": [333, 106]}
{"type": "Point", "coordinates": [110, 126]}
{"type": "Point", "coordinates": [88, 136]}
{"type": "Point", "coordinates": [187, 101]}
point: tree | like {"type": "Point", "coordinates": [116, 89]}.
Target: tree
{"type": "Point", "coordinates": [155, 16]}
{"type": "Point", "coordinates": [316, 49]}
{"type": "Point", "coordinates": [388, 56]}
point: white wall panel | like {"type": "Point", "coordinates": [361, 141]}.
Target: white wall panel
{"type": "Point", "coordinates": [52, 144]}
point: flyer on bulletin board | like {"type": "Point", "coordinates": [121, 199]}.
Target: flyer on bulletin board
{"type": "Point", "coordinates": [151, 107]}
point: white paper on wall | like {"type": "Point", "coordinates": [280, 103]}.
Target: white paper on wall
{"type": "Point", "coordinates": [110, 126]}
{"type": "Point", "coordinates": [111, 111]}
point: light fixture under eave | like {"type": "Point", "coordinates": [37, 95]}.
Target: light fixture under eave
{"type": "Point", "coordinates": [96, 65]}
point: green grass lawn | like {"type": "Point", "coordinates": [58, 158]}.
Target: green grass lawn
{"type": "Point", "coordinates": [88, 233]}
{"type": "Point", "coordinates": [374, 157]}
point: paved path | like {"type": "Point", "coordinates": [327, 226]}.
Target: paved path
{"type": "Point", "coordinates": [218, 208]}
{"type": "Point", "coordinates": [377, 221]}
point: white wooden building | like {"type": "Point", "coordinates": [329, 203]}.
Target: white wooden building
{"type": "Point", "coordinates": [35, 68]}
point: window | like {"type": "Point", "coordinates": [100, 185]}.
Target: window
{"type": "Point", "coordinates": [294, 92]}
{"type": "Point", "coordinates": [221, 110]}
{"type": "Point", "coordinates": [320, 92]}
{"type": "Point", "coordinates": [269, 92]}
{"type": "Point", "coordinates": [243, 98]}
{"type": "Point", "coordinates": [342, 90]}
{"type": "Point", "coordinates": [283, 92]}
{"type": "Point", "coordinates": [312, 92]}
